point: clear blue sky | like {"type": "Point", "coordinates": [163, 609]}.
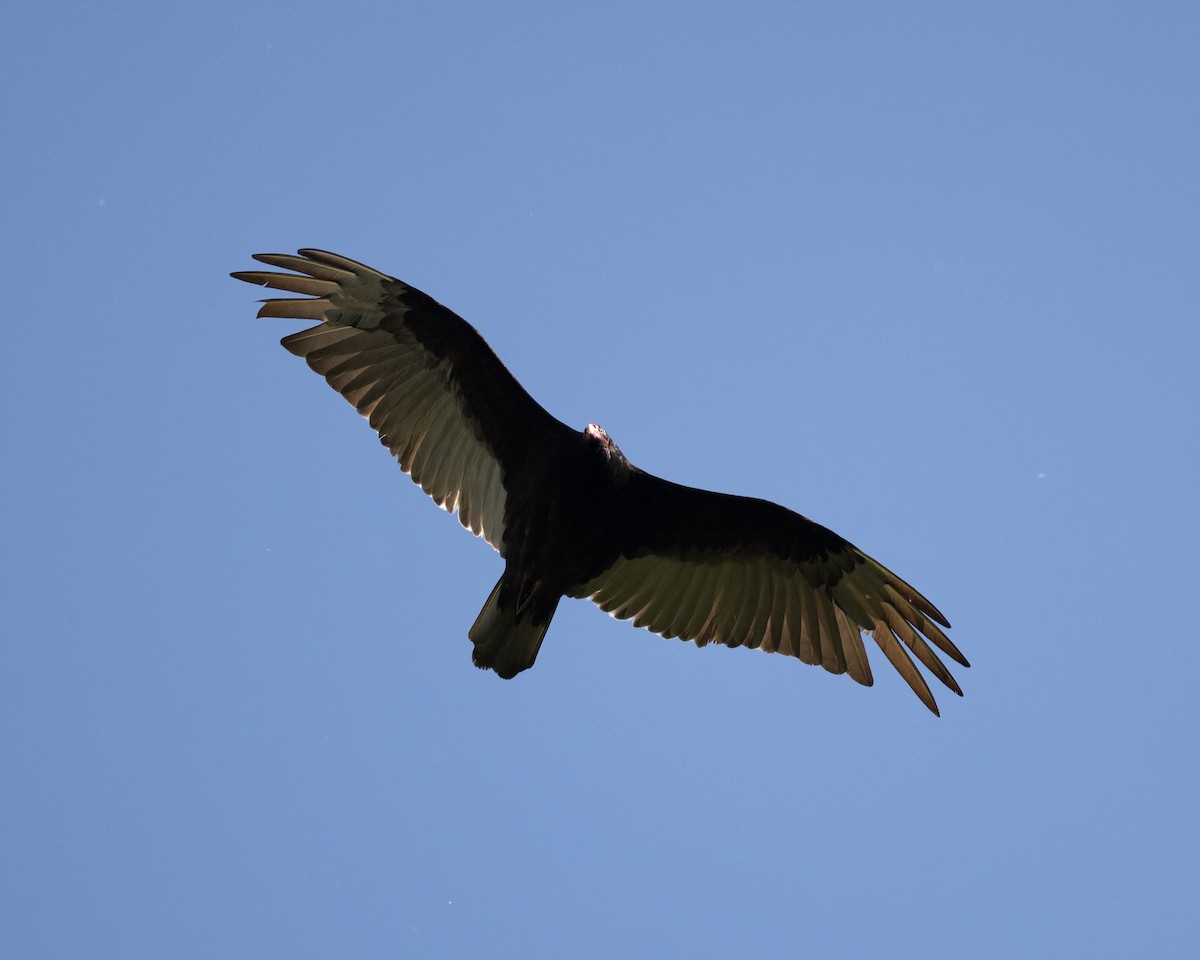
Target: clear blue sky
{"type": "Point", "coordinates": [928, 276]}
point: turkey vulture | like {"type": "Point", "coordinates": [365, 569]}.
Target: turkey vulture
{"type": "Point", "coordinates": [570, 515]}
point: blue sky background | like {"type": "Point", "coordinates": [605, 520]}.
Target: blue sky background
{"type": "Point", "coordinates": [927, 275]}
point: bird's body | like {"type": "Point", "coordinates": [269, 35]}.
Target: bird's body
{"type": "Point", "coordinates": [570, 515]}
{"type": "Point", "coordinates": [572, 496]}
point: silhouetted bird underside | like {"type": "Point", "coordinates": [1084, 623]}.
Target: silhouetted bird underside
{"type": "Point", "coordinates": [570, 515]}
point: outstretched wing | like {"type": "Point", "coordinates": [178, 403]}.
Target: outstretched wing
{"type": "Point", "coordinates": [439, 398]}
{"type": "Point", "coordinates": [711, 567]}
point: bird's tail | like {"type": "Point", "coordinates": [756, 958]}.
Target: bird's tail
{"type": "Point", "coordinates": [507, 635]}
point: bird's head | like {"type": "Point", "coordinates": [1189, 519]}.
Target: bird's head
{"type": "Point", "coordinates": [597, 438]}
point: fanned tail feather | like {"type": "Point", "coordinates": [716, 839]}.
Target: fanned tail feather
{"type": "Point", "coordinates": [507, 635]}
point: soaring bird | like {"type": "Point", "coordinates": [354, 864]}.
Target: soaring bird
{"type": "Point", "coordinates": [570, 515]}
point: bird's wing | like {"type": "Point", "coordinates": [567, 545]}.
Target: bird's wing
{"type": "Point", "coordinates": [434, 391]}
{"type": "Point", "coordinates": [710, 567]}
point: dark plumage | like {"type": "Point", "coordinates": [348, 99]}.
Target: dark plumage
{"type": "Point", "coordinates": [570, 515]}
